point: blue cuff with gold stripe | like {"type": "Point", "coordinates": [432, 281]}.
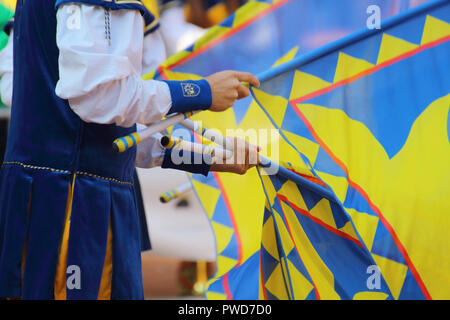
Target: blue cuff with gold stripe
{"type": "Point", "coordinates": [189, 95]}
{"type": "Point", "coordinates": [193, 165]}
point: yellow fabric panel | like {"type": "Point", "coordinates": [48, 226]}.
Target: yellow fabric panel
{"type": "Point", "coordinates": [24, 250]}
{"type": "Point", "coordinates": [217, 121]}
{"type": "Point", "coordinates": [212, 34]}
{"type": "Point", "coordinates": [301, 286]}
{"type": "Point", "coordinates": [349, 66]}
{"type": "Point", "coordinates": [225, 235]}
{"type": "Point", "coordinates": [392, 47]}
{"type": "Point", "coordinates": [10, 4]}
{"type": "Point", "coordinates": [269, 240]}
{"type": "Point", "coordinates": [270, 190]}
{"type": "Point", "coordinates": [290, 191]}
{"type": "Point", "coordinates": [370, 295]}
{"type": "Point", "coordinates": [276, 285]}
{"type": "Point", "coordinates": [217, 13]}
{"type": "Point", "coordinates": [255, 118]}
{"type": "Point", "coordinates": [275, 105]}
{"type": "Point", "coordinates": [208, 196]}
{"type": "Point", "coordinates": [287, 276]}
{"type": "Point", "coordinates": [215, 296]}
{"type": "Point", "coordinates": [317, 269]}
{"type": "Point", "coordinates": [224, 264]}
{"type": "Point", "coordinates": [149, 76]}
{"type": "Point", "coordinates": [339, 185]}
{"type": "Point", "coordinates": [60, 278]}
{"type": "Point", "coordinates": [322, 211]}
{"type": "Point", "coordinates": [366, 226]}
{"type": "Point", "coordinates": [247, 207]}
{"type": "Point", "coordinates": [260, 285]}
{"type": "Point", "coordinates": [171, 75]}
{"type": "Point", "coordinates": [287, 57]}
{"type": "Point", "coordinates": [393, 272]}
{"type": "Point", "coordinates": [274, 147]}
{"type": "Point", "coordinates": [104, 293]}
{"type": "Point", "coordinates": [348, 229]}
{"type": "Point", "coordinates": [426, 154]}
{"type": "Point", "coordinates": [329, 124]}
{"type": "Point", "coordinates": [304, 84]}
{"type": "Point", "coordinates": [171, 60]}
{"type": "Point", "coordinates": [434, 29]}
{"type": "Point", "coordinates": [251, 9]}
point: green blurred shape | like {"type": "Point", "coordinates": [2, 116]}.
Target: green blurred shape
{"type": "Point", "coordinates": [5, 15]}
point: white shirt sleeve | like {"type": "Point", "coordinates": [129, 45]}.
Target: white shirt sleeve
{"type": "Point", "coordinates": [100, 72]}
{"type": "Point", "coordinates": [6, 72]}
{"type": "Point", "coordinates": [154, 52]}
{"type": "Point", "coordinates": [101, 77]}
{"type": "Point", "coordinates": [150, 152]}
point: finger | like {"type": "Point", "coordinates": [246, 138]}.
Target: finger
{"type": "Point", "coordinates": [239, 150]}
{"type": "Point", "coordinates": [253, 155]}
{"type": "Point", "coordinates": [243, 92]}
{"type": "Point", "coordinates": [248, 77]}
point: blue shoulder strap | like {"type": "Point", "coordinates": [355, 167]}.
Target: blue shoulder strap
{"type": "Point", "coordinates": [149, 18]}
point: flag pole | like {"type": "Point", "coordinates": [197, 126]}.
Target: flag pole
{"type": "Point", "coordinates": [122, 144]}
{"type": "Point", "coordinates": [208, 134]}
{"type": "Point", "coordinates": [175, 193]}
{"type": "Point", "coordinates": [169, 142]}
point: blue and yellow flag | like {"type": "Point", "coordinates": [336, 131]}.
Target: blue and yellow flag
{"type": "Point", "coordinates": [363, 143]}
{"type": "Point", "coordinates": [310, 248]}
{"type": "Point", "coordinates": [376, 104]}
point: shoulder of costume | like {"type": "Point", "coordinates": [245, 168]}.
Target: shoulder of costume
{"type": "Point", "coordinates": [9, 26]}
{"type": "Point", "coordinates": [153, 7]}
{"type": "Point", "coordinates": [151, 23]}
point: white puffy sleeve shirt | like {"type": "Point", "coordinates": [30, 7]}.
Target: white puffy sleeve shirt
{"type": "Point", "coordinates": [100, 72]}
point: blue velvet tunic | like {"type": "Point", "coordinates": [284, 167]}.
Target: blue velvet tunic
{"type": "Point", "coordinates": [47, 145]}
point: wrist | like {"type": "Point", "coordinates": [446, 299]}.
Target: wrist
{"type": "Point", "coordinates": [189, 95]}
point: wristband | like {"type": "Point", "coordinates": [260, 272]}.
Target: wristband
{"type": "Point", "coordinates": [189, 95]}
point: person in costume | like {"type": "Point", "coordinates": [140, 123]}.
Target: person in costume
{"type": "Point", "coordinates": [69, 226]}
{"type": "Point", "coordinates": [6, 66]}
{"type": "Point", "coordinates": [151, 59]}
